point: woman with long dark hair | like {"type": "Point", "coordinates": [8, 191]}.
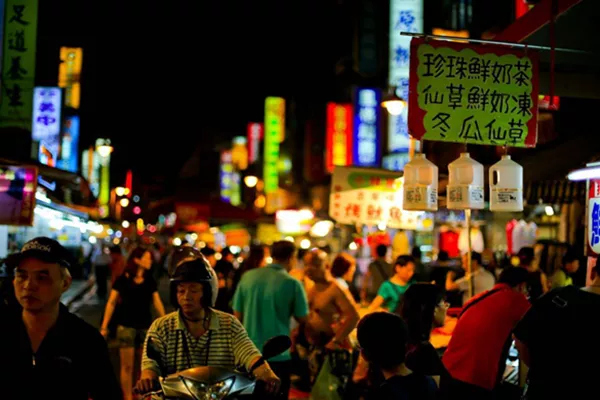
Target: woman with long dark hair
{"type": "Point", "coordinates": [423, 309]}
{"type": "Point", "coordinates": [134, 292]}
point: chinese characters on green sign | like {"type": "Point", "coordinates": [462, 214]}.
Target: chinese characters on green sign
{"type": "Point", "coordinates": [274, 134]}
{"type": "Point", "coordinates": [473, 94]}
{"type": "Point", "coordinates": [18, 69]}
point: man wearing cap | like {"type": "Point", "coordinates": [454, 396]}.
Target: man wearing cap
{"type": "Point", "coordinates": [46, 351]}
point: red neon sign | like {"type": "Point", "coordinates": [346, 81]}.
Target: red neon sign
{"type": "Point", "coordinates": [338, 145]}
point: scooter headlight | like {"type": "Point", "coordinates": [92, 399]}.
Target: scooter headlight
{"type": "Point", "coordinates": [203, 391]}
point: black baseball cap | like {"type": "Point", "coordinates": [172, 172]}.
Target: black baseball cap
{"type": "Point", "coordinates": [43, 249]}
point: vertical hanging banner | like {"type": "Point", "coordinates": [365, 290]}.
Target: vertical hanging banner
{"type": "Point", "coordinates": [236, 189]}
{"type": "Point", "coordinates": [465, 93]}
{"type": "Point", "coordinates": [226, 175]}
{"type": "Point", "coordinates": [274, 133]}
{"type": "Point", "coordinates": [255, 135]}
{"type": "Point", "coordinates": [69, 147]}
{"type": "Point", "coordinates": [2, 8]}
{"type": "Point", "coordinates": [339, 136]}
{"type": "Point", "coordinates": [18, 68]}
{"type": "Point", "coordinates": [366, 140]}
{"type": "Point", "coordinates": [45, 129]}
{"type": "Point", "coordinates": [405, 16]}
{"type": "Point", "coordinates": [69, 74]}
{"type": "Point", "coordinates": [367, 36]}
{"type": "Point", "coordinates": [239, 153]}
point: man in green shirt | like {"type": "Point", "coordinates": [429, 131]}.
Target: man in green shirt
{"type": "Point", "coordinates": [266, 300]}
{"type": "Point", "coordinates": [562, 277]}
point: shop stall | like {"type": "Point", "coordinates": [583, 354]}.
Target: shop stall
{"type": "Point", "coordinates": [38, 200]}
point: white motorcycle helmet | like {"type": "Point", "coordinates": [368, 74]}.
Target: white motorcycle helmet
{"type": "Point", "coordinates": [188, 265]}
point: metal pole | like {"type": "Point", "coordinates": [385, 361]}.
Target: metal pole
{"type": "Point", "coordinates": [469, 251]}
{"type": "Point", "coordinates": [496, 42]}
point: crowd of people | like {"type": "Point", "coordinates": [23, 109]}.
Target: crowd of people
{"type": "Point", "coordinates": [371, 340]}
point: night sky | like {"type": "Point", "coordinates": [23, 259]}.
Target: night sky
{"type": "Point", "coordinates": [187, 70]}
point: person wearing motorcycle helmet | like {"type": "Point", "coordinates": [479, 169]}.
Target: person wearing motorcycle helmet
{"type": "Point", "coordinates": [196, 334]}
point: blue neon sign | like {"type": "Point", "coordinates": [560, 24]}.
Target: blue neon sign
{"type": "Point", "coordinates": [367, 132]}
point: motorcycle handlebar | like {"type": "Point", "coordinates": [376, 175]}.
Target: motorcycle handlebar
{"type": "Point", "coordinates": [156, 389]}
{"type": "Point", "coordinates": [149, 395]}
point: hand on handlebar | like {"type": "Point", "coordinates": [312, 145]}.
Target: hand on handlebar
{"type": "Point", "coordinates": [265, 374]}
{"type": "Point", "coordinates": [146, 386]}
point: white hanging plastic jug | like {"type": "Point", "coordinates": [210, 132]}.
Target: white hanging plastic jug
{"type": "Point", "coordinates": [465, 184]}
{"type": "Point", "coordinates": [506, 186]}
{"type": "Point", "coordinates": [420, 185]}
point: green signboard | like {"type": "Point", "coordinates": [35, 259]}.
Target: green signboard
{"type": "Point", "coordinates": [466, 93]}
{"type": "Point", "coordinates": [18, 67]}
{"type": "Point", "coordinates": [274, 133]}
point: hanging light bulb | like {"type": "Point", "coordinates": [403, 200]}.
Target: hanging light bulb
{"type": "Point", "coordinates": [393, 103]}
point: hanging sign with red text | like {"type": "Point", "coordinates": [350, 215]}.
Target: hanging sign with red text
{"type": "Point", "coordinates": [372, 197]}
{"type": "Point", "coordinates": [465, 93]}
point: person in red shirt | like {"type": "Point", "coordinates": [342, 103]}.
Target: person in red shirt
{"type": "Point", "coordinates": [476, 355]}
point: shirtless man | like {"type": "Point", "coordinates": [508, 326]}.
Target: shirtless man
{"type": "Point", "coordinates": [333, 313]}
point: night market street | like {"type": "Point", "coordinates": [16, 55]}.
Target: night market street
{"type": "Point", "coordinates": [335, 200]}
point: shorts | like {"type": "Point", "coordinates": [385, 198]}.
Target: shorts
{"type": "Point", "coordinates": [130, 337]}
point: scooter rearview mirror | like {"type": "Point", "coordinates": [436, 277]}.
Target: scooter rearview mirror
{"type": "Point", "coordinates": [275, 346]}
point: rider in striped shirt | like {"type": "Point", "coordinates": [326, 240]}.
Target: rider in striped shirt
{"type": "Point", "coordinates": [196, 334]}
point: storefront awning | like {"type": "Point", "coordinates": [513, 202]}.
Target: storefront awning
{"type": "Point", "coordinates": [554, 161]}
{"type": "Point", "coordinates": [575, 27]}
{"type": "Point", "coordinates": [545, 171]}
{"type": "Point", "coordinates": [65, 189]}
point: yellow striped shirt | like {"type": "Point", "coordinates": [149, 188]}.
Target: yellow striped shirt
{"type": "Point", "coordinates": [230, 346]}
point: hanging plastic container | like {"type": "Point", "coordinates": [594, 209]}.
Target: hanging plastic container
{"type": "Point", "coordinates": [420, 185]}
{"type": "Point", "coordinates": [506, 186]}
{"type": "Point", "coordinates": [465, 184]}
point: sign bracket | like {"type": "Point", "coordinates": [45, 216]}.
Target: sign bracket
{"type": "Point", "coordinates": [495, 42]}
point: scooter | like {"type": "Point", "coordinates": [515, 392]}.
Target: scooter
{"type": "Point", "coordinates": [211, 383]}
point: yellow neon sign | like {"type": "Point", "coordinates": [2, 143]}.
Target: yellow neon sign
{"type": "Point", "coordinates": [69, 74]}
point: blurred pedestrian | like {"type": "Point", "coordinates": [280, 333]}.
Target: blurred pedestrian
{"type": "Point", "coordinates": [343, 269]}
{"type": "Point", "coordinates": [379, 272]}
{"type": "Point", "coordinates": [131, 297]}
{"type": "Point", "coordinates": [117, 264]}
{"type": "Point", "coordinates": [101, 262]}
{"type": "Point", "coordinates": [225, 273]}
{"type": "Point", "coordinates": [423, 309]}
{"type": "Point", "coordinates": [391, 291]}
